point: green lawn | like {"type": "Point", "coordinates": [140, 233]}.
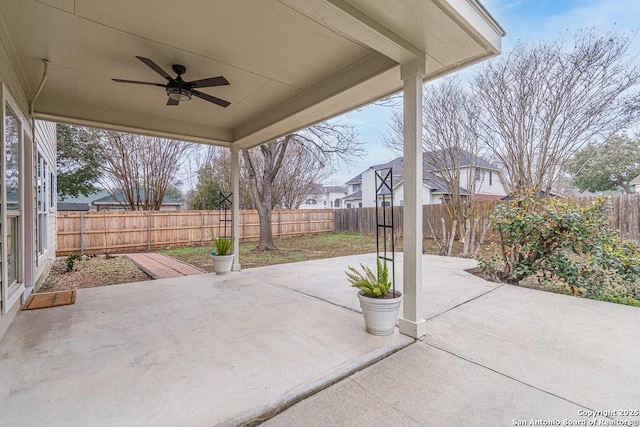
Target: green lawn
{"type": "Point", "coordinates": [292, 249]}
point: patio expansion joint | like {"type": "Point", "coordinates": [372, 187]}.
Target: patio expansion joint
{"type": "Point", "coordinates": [320, 299]}
{"type": "Point", "coordinates": [464, 302]}
{"type": "Point", "coordinates": [281, 407]}
{"type": "Point", "coordinates": [506, 376]}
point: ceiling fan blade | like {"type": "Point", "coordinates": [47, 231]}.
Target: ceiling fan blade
{"type": "Point", "coordinates": [206, 97]}
{"type": "Point", "coordinates": [171, 101]}
{"type": "Point", "coordinates": [155, 67]}
{"type": "Point", "coordinates": [138, 83]}
{"type": "Point", "coordinates": [211, 81]}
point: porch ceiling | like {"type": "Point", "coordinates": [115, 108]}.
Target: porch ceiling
{"type": "Point", "coordinates": [290, 63]}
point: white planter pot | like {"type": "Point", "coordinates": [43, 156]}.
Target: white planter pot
{"type": "Point", "coordinates": [380, 314]}
{"type": "Point", "coordinates": [222, 263]}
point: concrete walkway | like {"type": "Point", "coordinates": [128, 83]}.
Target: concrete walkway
{"type": "Point", "coordinates": [225, 350]}
{"type": "Point", "coordinates": [511, 356]}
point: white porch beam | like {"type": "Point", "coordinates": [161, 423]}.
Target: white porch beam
{"type": "Point", "coordinates": [77, 113]}
{"type": "Point", "coordinates": [411, 321]}
{"type": "Point", "coordinates": [235, 207]}
{"type": "Point", "coordinates": [277, 121]}
{"type": "Point", "coordinates": [344, 18]}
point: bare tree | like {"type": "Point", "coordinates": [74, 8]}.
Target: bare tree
{"type": "Point", "coordinates": [544, 101]}
{"type": "Point", "coordinates": [452, 149]}
{"type": "Point", "coordinates": [325, 144]}
{"type": "Point", "coordinates": [299, 175]}
{"type": "Point", "coordinates": [138, 169]}
{"type": "Point", "coordinates": [216, 167]}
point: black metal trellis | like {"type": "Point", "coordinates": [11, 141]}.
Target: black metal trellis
{"type": "Point", "coordinates": [384, 222]}
{"type": "Point", "coordinates": [226, 222]}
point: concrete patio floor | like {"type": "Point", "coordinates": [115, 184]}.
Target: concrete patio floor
{"type": "Point", "coordinates": [225, 350]}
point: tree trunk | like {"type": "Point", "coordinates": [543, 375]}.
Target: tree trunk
{"type": "Point", "coordinates": [263, 206]}
{"type": "Point", "coordinates": [262, 192]}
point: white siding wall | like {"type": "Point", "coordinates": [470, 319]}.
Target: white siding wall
{"type": "Point", "coordinates": [398, 195]}
{"type": "Point", "coordinates": [45, 136]}
{"type": "Point", "coordinates": [332, 197]}
{"type": "Point", "coordinates": [324, 201]}
{"type": "Point", "coordinates": [368, 189]}
{"type": "Point", "coordinates": [487, 185]}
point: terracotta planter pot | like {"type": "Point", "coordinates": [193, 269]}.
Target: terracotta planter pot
{"type": "Point", "coordinates": [380, 314]}
{"type": "Point", "coordinates": [222, 263]}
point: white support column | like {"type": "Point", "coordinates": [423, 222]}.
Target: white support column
{"type": "Point", "coordinates": [235, 207]}
{"type": "Point", "coordinates": [411, 321]}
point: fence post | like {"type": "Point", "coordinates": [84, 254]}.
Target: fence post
{"type": "Point", "coordinates": [148, 230]}
{"type": "Point", "coordinates": [279, 222]}
{"type": "Point", "coordinates": [309, 223]}
{"type": "Point", "coordinates": [81, 233]}
{"type": "Point", "coordinates": [201, 229]}
{"type": "Point", "coordinates": [104, 226]}
{"type": "Point", "coordinates": [244, 225]}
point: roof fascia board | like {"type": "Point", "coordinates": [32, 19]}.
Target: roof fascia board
{"type": "Point", "coordinates": [474, 19]}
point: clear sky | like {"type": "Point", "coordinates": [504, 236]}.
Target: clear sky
{"type": "Point", "coordinates": [522, 20]}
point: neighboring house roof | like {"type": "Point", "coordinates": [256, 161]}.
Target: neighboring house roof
{"type": "Point", "coordinates": [353, 196]}
{"type": "Point", "coordinates": [438, 184]}
{"type": "Point", "coordinates": [335, 189]}
{"type": "Point", "coordinates": [434, 183]}
{"type": "Point", "coordinates": [541, 195]}
{"type": "Point", "coordinates": [72, 207]}
{"type": "Point", "coordinates": [119, 199]}
{"type": "Point", "coordinates": [397, 164]}
{"type": "Point", "coordinates": [84, 199]}
{"type": "Point", "coordinates": [318, 189]}
{"type": "Point", "coordinates": [635, 181]}
{"type": "Point", "coordinates": [326, 189]}
{"type": "Point", "coordinates": [466, 159]}
{"type": "Point", "coordinates": [355, 180]}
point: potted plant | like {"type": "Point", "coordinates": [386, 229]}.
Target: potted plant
{"type": "Point", "coordinates": [222, 255]}
{"type": "Point", "coordinates": [380, 305]}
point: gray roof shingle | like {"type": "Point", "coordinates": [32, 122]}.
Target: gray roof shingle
{"type": "Point", "coordinates": [397, 164]}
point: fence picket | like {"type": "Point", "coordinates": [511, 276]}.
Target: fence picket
{"type": "Point", "coordinates": [624, 213]}
{"type": "Point", "coordinates": [109, 232]}
{"type": "Point", "coordinates": [104, 232]}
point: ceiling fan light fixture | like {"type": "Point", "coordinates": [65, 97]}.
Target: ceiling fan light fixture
{"type": "Point", "coordinates": [179, 90]}
{"type": "Point", "coordinates": [178, 94]}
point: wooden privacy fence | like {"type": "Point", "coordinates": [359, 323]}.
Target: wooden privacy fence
{"type": "Point", "coordinates": [623, 210]}
{"type": "Point", "coordinates": [112, 232]}
{"type": "Point", "coordinates": [624, 213]}
{"type": "Point", "coordinates": [363, 220]}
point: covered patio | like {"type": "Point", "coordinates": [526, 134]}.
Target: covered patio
{"type": "Point", "coordinates": [229, 350]}
{"type": "Point", "coordinates": [289, 64]}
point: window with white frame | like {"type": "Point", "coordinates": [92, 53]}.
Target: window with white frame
{"type": "Point", "coordinates": [42, 202]}
{"type": "Point", "coordinates": [52, 191]}
{"type": "Point", "coordinates": [13, 183]}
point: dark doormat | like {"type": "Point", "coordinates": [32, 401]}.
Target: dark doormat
{"type": "Point", "coordinates": [50, 299]}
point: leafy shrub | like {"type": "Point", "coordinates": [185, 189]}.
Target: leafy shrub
{"type": "Point", "coordinates": [71, 260]}
{"type": "Point", "coordinates": [371, 285]}
{"type": "Point", "coordinates": [563, 246]}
